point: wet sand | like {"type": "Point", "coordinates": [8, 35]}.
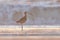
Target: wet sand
{"type": "Point", "coordinates": [31, 38]}
{"type": "Point", "coordinates": [29, 31]}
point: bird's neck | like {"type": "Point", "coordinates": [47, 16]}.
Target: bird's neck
{"type": "Point", "coordinates": [25, 15]}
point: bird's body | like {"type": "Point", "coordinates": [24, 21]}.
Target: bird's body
{"type": "Point", "coordinates": [22, 20]}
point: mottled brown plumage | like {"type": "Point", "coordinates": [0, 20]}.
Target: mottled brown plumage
{"type": "Point", "coordinates": [22, 20]}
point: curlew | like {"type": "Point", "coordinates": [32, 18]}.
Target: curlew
{"type": "Point", "coordinates": [22, 20]}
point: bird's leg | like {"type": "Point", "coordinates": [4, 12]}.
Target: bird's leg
{"type": "Point", "coordinates": [21, 27]}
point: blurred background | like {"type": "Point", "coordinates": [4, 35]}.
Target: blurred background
{"type": "Point", "coordinates": [39, 12]}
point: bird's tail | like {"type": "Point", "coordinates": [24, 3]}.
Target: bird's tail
{"type": "Point", "coordinates": [17, 21]}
